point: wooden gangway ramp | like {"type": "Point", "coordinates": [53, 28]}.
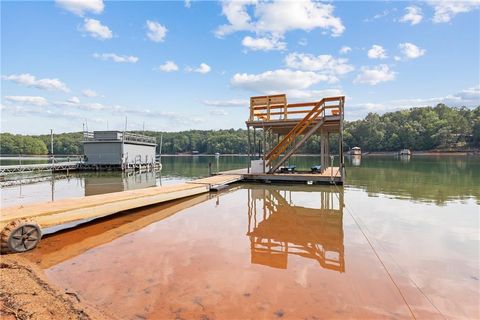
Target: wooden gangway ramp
{"type": "Point", "coordinates": [22, 225]}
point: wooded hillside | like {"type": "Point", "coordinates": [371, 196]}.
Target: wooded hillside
{"type": "Point", "coordinates": [426, 128]}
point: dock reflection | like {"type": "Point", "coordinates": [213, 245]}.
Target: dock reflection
{"type": "Point", "coordinates": [69, 243]}
{"type": "Point", "coordinates": [277, 227]}
{"type": "Point", "coordinates": [101, 182]}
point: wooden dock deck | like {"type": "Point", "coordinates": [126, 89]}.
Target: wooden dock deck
{"type": "Point", "coordinates": [21, 225]}
{"type": "Point", "coordinates": [329, 175]}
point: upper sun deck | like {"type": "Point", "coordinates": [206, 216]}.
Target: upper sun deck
{"type": "Point", "coordinates": [275, 113]}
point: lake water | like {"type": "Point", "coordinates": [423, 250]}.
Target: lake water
{"type": "Point", "coordinates": [399, 240]}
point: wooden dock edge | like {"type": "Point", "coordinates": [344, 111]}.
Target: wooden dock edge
{"type": "Point", "coordinates": [102, 210]}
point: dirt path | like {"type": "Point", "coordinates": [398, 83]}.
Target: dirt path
{"type": "Point", "coordinates": [26, 294]}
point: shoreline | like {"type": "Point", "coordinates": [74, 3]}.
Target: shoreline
{"type": "Point", "coordinates": [26, 293]}
{"type": "Point", "coordinates": [372, 153]}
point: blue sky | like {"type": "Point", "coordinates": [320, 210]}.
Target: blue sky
{"type": "Point", "coordinates": [193, 65]}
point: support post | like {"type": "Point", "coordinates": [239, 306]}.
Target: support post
{"type": "Point", "coordinates": [327, 147]}
{"type": "Point", "coordinates": [249, 149]}
{"type": "Point", "coordinates": [263, 151]}
{"type": "Point", "coordinates": [341, 157]}
{"type": "Point", "coordinates": [51, 145]}
{"type": "Point", "coordinates": [254, 142]}
{"type": "Point", "coordinates": [322, 151]}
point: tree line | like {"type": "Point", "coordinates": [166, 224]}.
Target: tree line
{"type": "Point", "coordinates": [425, 128]}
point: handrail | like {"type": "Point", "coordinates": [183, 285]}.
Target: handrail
{"type": "Point", "coordinates": [314, 114]}
{"type": "Point", "coordinates": [265, 111]}
{"type": "Point", "coordinates": [297, 130]}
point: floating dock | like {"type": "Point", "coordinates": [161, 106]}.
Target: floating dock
{"type": "Point", "coordinates": [331, 175]}
{"type": "Point", "coordinates": [284, 129]}
{"type": "Point", "coordinates": [22, 225]}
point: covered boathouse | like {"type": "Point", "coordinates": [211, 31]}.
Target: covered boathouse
{"type": "Point", "coordinates": [118, 150]}
{"type": "Point", "coordinates": [278, 129]}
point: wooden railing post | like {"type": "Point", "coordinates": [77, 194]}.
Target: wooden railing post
{"type": "Point", "coordinates": [251, 110]}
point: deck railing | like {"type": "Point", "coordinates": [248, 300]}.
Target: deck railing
{"type": "Point", "coordinates": [125, 136]}
{"type": "Point", "coordinates": [275, 108]}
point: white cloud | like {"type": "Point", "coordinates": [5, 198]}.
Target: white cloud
{"type": "Point", "coordinates": [303, 42]}
{"type": "Point", "coordinates": [115, 57]}
{"type": "Point", "coordinates": [277, 80]}
{"type": "Point", "coordinates": [446, 10]}
{"type": "Point", "coordinates": [96, 29]}
{"type": "Point", "coordinates": [74, 100]}
{"type": "Point", "coordinates": [375, 75]}
{"type": "Point", "coordinates": [168, 66]}
{"type": "Point", "coordinates": [382, 14]}
{"type": "Point", "coordinates": [28, 100]}
{"type": "Point", "coordinates": [203, 68]}
{"type": "Point", "coordinates": [80, 7]}
{"type": "Point", "coordinates": [469, 97]}
{"type": "Point", "coordinates": [345, 50]}
{"type": "Point", "coordinates": [218, 112]}
{"type": "Point", "coordinates": [278, 17]}
{"type": "Point", "coordinates": [29, 80]}
{"type": "Point", "coordinates": [413, 15]}
{"type": "Point", "coordinates": [156, 32]}
{"type": "Point", "coordinates": [325, 64]}
{"type": "Point", "coordinates": [377, 52]}
{"type": "Point", "coordinates": [313, 94]}
{"type": "Point", "coordinates": [263, 43]}
{"type": "Point", "coordinates": [95, 106]}
{"type": "Point", "coordinates": [411, 51]}
{"type": "Point", "coordinates": [187, 3]}
{"type": "Point", "coordinates": [226, 103]}
{"type": "Point", "coordinates": [89, 93]}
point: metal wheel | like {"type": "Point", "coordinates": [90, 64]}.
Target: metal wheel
{"type": "Point", "coordinates": [20, 236]}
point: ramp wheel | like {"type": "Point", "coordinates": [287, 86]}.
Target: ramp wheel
{"type": "Point", "coordinates": [20, 236]}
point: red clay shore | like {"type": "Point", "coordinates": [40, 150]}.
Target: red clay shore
{"type": "Point", "coordinates": [25, 293]}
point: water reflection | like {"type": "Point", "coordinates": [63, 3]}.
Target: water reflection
{"type": "Point", "coordinates": [422, 178]}
{"type": "Point", "coordinates": [262, 251]}
{"type": "Point", "coordinates": [278, 228]}
{"type": "Point", "coordinates": [105, 182]}
{"type": "Point", "coordinates": [67, 244]}
{"type": "Point", "coordinates": [355, 160]}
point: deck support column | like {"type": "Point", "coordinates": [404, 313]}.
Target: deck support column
{"type": "Point", "coordinates": [254, 143]}
{"type": "Point", "coordinates": [249, 149]}
{"type": "Point", "coordinates": [327, 149]}
{"type": "Point", "coordinates": [322, 150]}
{"type": "Point", "coordinates": [263, 147]}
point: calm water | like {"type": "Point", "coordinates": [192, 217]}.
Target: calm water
{"type": "Point", "coordinates": [399, 240]}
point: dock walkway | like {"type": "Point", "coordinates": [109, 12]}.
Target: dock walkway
{"type": "Point", "coordinates": [59, 166]}
{"type": "Point", "coordinates": [329, 175]}
{"type": "Point", "coordinates": [75, 210]}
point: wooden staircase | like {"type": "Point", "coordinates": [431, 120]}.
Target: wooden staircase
{"type": "Point", "coordinates": [312, 121]}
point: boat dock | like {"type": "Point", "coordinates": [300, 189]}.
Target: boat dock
{"type": "Point", "coordinates": [331, 175]}
{"type": "Point", "coordinates": [284, 128]}
{"type": "Point", "coordinates": [22, 225]}
{"type": "Point", "coordinates": [24, 168]}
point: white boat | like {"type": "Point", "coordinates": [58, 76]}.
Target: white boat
{"type": "Point", "coordinates": [355, 151]}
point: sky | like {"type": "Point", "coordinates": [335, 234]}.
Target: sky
{"type": "Point", "coordinates": [180, 65]}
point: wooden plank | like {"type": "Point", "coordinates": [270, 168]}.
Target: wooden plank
{"type": "Point", "coordinates": [71, 210]}
{"type": "Point", "coordinates": [218, 179]}
{"type": "Point", "coordinates": [93, 236]}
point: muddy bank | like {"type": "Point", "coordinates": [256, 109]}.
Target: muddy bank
{"type": "Point", "coordinates": [26, 294]}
